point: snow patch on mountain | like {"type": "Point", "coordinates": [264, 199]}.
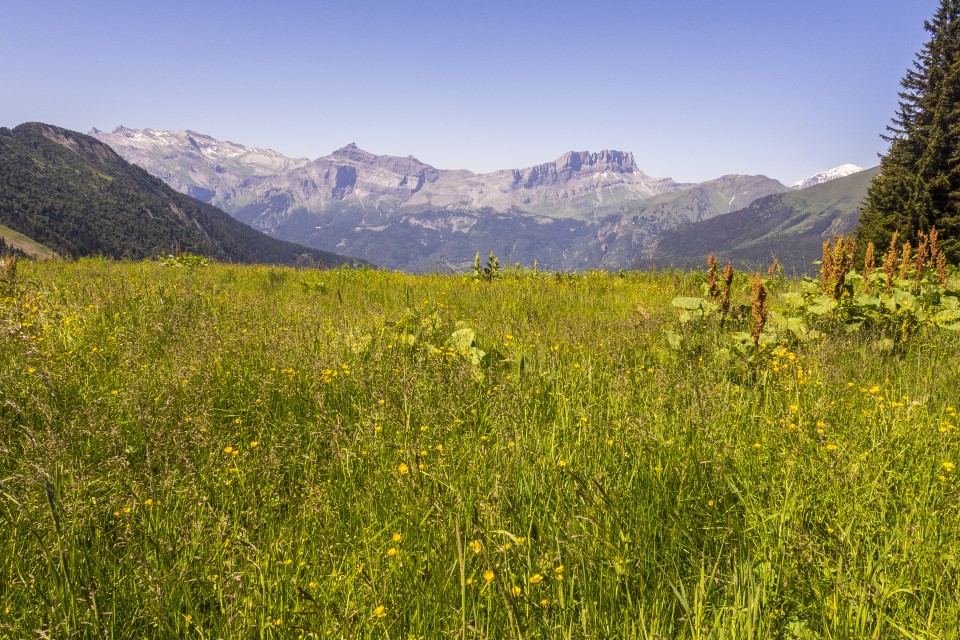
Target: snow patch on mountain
{"type": "Point", "coordinates": [826, 176]}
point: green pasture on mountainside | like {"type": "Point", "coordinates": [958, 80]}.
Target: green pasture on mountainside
{"type": "Point", "coordinates": [211, 451]}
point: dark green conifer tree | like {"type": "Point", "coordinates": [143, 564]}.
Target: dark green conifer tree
{"type": "Point", "coordinates": [919, 183]}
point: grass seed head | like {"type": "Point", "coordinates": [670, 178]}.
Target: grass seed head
{"type": "Point", "coordinates": [905, 260]}
{"type": "Point", "coordinates": [920, 262]}
{"type": "Point", "coordinates": [868, 267]}
{"type": "Point", "coordinates": [826, 266]}
{"type": "Point", "coordinates": [759, 308]}
{"type": "Point", "coordinates": [772, 271]}
{"type": "Point", "coordinates": [712, 276]}
{"type": "Point", "coordinates": [727, 283]}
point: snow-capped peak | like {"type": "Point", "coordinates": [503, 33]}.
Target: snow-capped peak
{"type": "Point", "coordinates": [826, 176]}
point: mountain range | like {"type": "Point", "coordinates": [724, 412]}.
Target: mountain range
{"type": "Point", "coordinates": [791, 226]}
{"type": "Point", "coordinates": [585, 209]}
{"type": "Point", "coordinates": [69, 193]}
{"type": "Point", "coordinates": [73, 194]}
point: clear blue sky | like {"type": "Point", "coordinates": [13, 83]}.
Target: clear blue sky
{"type": "Point", "coordinates": [695, 88]}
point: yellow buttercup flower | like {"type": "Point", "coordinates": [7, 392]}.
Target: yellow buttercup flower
{"type": "Point", "coordinates": [403, 468]}
{"type": "Point", "coordinates": [488, 575]}
{"type": "Point", "coordinates": [536, 578]}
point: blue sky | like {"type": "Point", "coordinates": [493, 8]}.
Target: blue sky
{"type": "Point", "coordinates": [695, 88]}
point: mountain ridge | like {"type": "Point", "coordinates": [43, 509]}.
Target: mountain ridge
{"type": "Point", "coordinates": [791, 226]}
{"type": "Point", "coordinates": [583, 209]}
{"type": "Point", "coordinates": [75, 194]}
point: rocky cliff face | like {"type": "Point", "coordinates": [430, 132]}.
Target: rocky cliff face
{"type": "Point", "coordinates": [237, 177]}
{"type": "Point", "coordinates": [583, 209]}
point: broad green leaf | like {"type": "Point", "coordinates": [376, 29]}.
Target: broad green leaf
{"type": "Point", "coordinates": [689, 303]}
{"type": "Point", "coordinates": [462, 339]}
{"type": "Point", "coordinates": [822, 305]}
{"type": "Point", "coordinates": [673, 338]}
{"type": "Point", "coordinates": [797, 327]}
{"type": "Point", "coordinates": [476, 355]}
{"type": "Point", "coordinates": [793, 299]}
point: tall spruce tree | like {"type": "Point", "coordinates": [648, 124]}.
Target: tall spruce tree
{"type": "Point", "coordinates": [919, 183]}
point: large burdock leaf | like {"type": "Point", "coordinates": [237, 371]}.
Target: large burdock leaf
{"type": "Point", "coordinates": [689, 303]}
{"type": "Point", "coordinates": [476, 355]}
{"type": "Point", "coordinates": [793, 299]}
{"type": "Point", "coordinates": [822, 305]}
{"type": "Point", "coordinates": [462, 339]}
{"type": "Point", "coordinates": [673, 338]}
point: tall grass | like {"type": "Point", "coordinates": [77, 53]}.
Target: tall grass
{"type": "Point", "coordinates": [240, 452]}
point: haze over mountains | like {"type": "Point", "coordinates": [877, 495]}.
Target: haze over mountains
{"type": "Point", "coordinates": [582, 210]}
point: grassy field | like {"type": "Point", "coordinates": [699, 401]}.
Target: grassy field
{"type": "Point", "coordinates": [255, 452]}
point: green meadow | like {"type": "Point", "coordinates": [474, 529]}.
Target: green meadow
{"type": "Point", "coordinates": [255, 452]}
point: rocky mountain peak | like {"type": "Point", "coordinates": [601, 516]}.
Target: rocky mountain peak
{"type": "Point", "coordinates": [353, 153]}
{"type": "Point", "coordinates": [606, 160]}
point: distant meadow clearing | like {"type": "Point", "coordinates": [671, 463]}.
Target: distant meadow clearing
{"type": "Point", "coordinates": [212, 451]}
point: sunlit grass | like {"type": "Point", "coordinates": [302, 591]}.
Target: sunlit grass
{"type": "Point", "coordinates": [245, 452]}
